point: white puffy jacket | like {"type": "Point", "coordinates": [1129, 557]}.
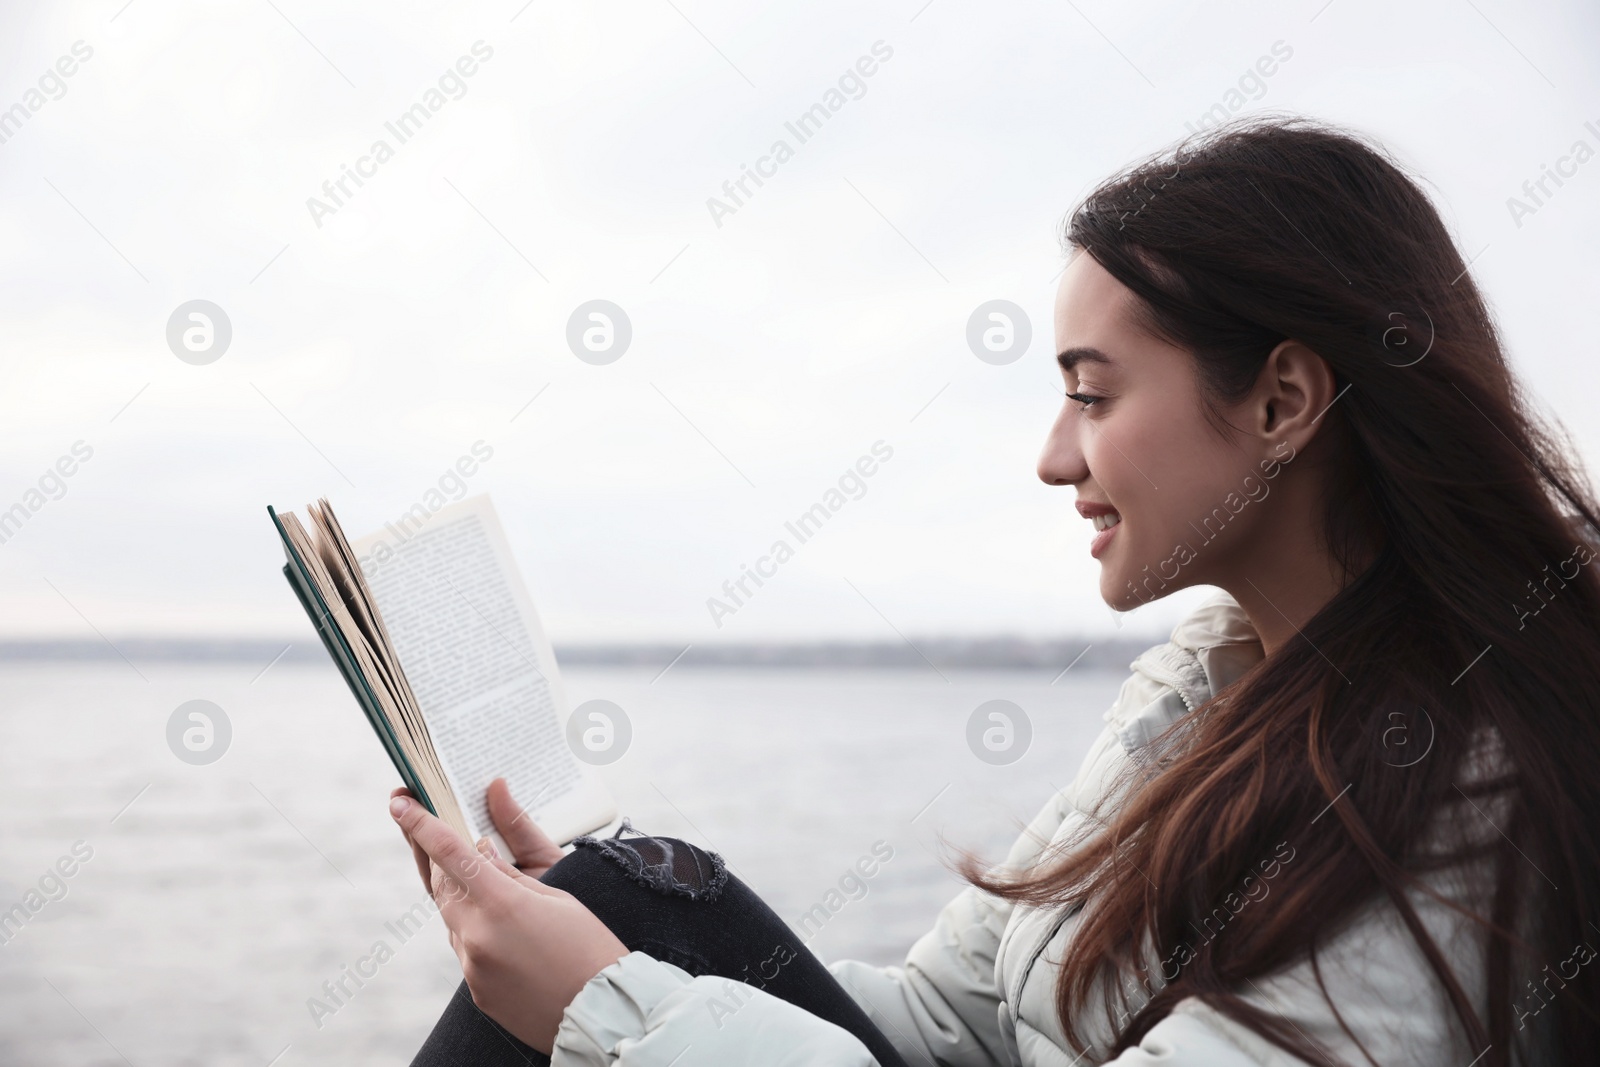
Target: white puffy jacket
{"type": "Point", "coordinates": [978, 990]}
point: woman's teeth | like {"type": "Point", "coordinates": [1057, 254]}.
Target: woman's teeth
{"type": "Point", "coordinates": [1105, 522]}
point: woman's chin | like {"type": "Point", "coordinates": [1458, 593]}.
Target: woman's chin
{"type": "Point", "coordinates": [1122, 593]}
{"type": "Point", "coordinates": [1115, 591]}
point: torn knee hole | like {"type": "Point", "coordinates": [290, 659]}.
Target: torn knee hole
{"type": "Point", "coordinates": [664, 864]}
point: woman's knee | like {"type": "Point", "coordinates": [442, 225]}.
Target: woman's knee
{"type": "Point", "coordinates": [663, 865]}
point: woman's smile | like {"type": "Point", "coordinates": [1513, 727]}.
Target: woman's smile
{"type": "Point", "coordinates": [1105, 534]}
{"type": "Point", "coordinates": [1106, 520]}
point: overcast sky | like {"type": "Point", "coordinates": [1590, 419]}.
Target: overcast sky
{"type": "Point", "coordinates": [377, 339]}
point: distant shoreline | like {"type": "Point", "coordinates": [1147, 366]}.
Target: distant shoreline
{"type": "Point", "coordinates": [976, 653]}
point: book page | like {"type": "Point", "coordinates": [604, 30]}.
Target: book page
{"type": "Point", "coordinates": [467, 636]}
{"type": "Point", "coordinates": [324, 562]}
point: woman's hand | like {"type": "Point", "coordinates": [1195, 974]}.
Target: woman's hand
{"type": "Point", "coordinates": [531, 849]}
{"type": "Point", "coordinates": [525, 948]}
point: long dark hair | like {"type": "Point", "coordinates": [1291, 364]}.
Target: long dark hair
{"type": "Point", "coordinates": [1464, 526]}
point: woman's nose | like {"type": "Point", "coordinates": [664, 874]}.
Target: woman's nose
{"type": "Point", "coordinates": [1061, 462]}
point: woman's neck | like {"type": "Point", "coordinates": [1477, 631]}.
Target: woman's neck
{"type": "Point", "coordinates": [1287, 573]}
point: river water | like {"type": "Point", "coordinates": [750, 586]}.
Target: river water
{"type": "Point", "coordinates": [216, 900]}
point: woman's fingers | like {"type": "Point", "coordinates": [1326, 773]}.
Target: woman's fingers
{"type": "Point", "coordinates": [424, 868]}
{"type": "Point", "coordinates": [488, 851]}
{"type": "Point", "coordinates": [461, 872]}
{"type": "Point", "coordinates": [530, 847]}
{"type": "Point", "coordinates": [525, 948]}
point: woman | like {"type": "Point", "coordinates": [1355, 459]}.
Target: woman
{"type": "Point", "coordinates": [1345, 815]}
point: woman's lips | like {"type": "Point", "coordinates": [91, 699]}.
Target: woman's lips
{"type": "Point", "coordinates": [1102, 539]}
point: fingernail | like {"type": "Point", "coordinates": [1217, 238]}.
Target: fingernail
{"type": "Point", "coordinates": [487, 848]}
{"type": "Point", "coordinates": [398, 806]}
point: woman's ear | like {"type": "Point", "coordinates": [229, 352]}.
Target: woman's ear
{"type": "Point", "coordinates": [1295, 388]}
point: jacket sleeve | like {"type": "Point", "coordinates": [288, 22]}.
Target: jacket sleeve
{"type": "Point", "coordinates": [943, 1006]}
{"type": "Point", "coordinates": [645, 1012]}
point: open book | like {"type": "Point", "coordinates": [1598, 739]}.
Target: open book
{"type": "Point", "coordinates": [438, 639]}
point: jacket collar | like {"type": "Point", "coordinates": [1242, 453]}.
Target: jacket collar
{"type": "Point", "coordinates": [1210, 649]}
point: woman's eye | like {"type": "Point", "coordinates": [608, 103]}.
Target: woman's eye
{"type": "Point", "coordinates": [1085, 399]}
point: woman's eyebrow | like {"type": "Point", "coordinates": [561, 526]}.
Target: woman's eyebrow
{"type": "Point", "coordinates": [1071, 357]}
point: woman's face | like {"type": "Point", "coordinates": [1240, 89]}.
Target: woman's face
{"type": "Point", "coordinates": [1186, 500]}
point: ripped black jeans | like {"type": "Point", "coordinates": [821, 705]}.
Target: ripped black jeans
{"type": "Point", "coordinates": [680, 904]}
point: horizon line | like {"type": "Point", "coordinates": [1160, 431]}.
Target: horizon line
{"type": "Point", "coordinates": [955, 651]}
